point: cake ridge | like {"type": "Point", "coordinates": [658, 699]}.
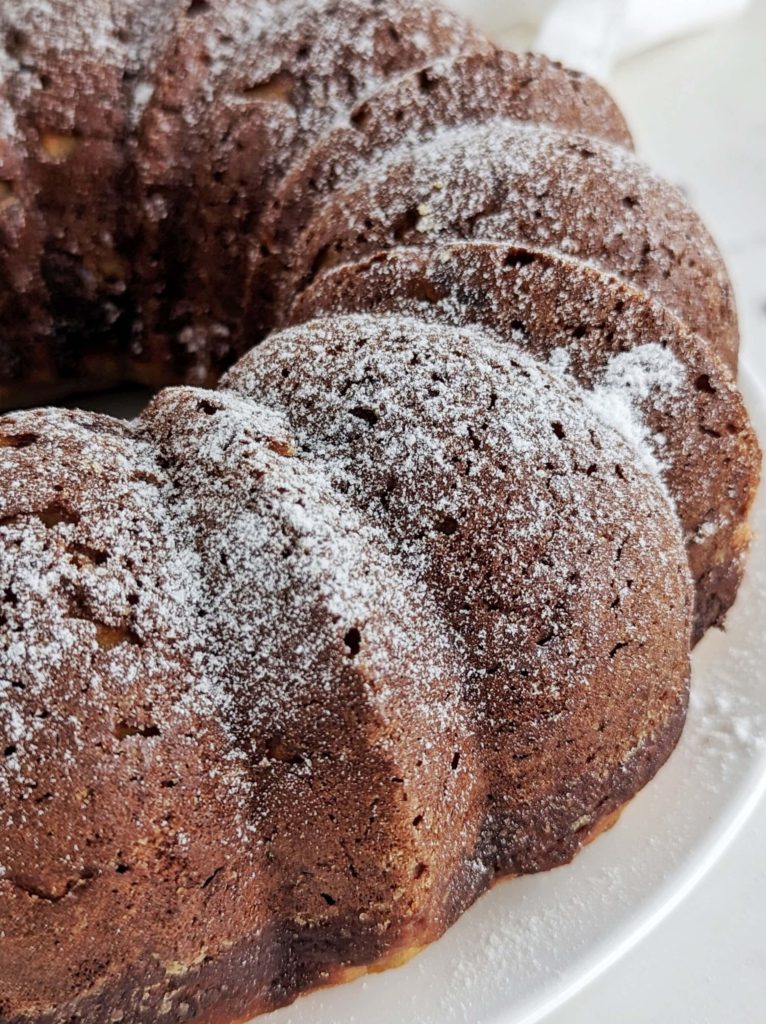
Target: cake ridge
{"type": "Point", "coordinates": [578, 318]}
{"type": "Point", "coordinates": [489, 169]}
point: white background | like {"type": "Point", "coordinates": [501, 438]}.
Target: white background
{"type": "Point", "coordinates": [697, 108]}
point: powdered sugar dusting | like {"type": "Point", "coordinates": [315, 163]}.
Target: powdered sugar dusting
{"type": "Point", "coordinates": [230, 519]}
{"type": "Point", "coordinates": [640, 370]}
{"type": "Point", "coordinates": [627, 382]}
{"type": "Point", "coordinates": [629, 379]}
{"type": "Point", "coordinates": [537, 186]}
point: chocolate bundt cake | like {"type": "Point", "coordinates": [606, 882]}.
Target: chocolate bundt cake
{"type": "Point", "coordinates": [390, 591]}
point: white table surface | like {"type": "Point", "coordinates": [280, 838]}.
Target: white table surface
{"type": "Point", "coordinates": [697, 108]}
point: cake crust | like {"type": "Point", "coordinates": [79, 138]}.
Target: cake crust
{"type": "Point", "coordinates": [304, 671]}
{"type": "Point", "coordinates": [658, 384]}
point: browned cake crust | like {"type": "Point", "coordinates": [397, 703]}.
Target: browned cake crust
{"type": "Point", "coordinates": [292, 670]}
{"type": "Point", "coordinates": [525, 183]}
{"type": "Point", "coordinates": [67, 82]}
{"type": "Point", "coordinates": [239, 90]}
{"type": "Point", "coordinates": [675, 396]}
{"type": "Point", "coordinates": [468, 89]}
{"type": "Point", "coordinates": [315, 658]}
{"type": "Point", "coordinates": [136, 129]}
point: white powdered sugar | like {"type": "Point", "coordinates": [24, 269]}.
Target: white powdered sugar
{"type": "Point", "coordinates": [533, 185]}
{"type": "Point", "coordinates": [234, 553]}
{"type": "Point", "coordinates": [635, 365]}
{"type": "Point", "coordinates": [648, 375]}
{"type": "Point", "coordinates": [648, 371]}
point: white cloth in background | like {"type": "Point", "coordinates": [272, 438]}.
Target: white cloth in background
{"type": "Point", "coordinates": [593, 35]}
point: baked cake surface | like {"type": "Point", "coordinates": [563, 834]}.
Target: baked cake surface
{"type": "Point", "coordinates": [389, 593]}
{"type": "Point", "coordinates": [337, 656]}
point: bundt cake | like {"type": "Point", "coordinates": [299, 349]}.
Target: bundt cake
{"type": "Point", "coordinates": [390, 591]}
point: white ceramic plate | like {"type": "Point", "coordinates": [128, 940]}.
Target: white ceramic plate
{"type": "Point", "coordinates": [529, 945]}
